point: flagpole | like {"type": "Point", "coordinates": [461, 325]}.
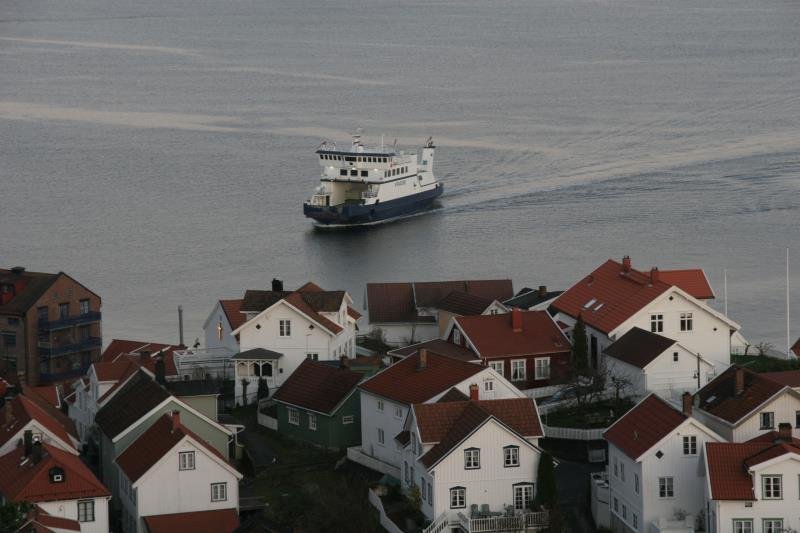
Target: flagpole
{"type": "Point", "coordinates": [788, 334]}
{"type": "Point", "coordinates": [725, 288]}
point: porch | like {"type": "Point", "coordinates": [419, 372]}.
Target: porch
{"type": "Point", "coordinates": [527, 522]}
{"type": "Point", "coordinates": [252, 366]}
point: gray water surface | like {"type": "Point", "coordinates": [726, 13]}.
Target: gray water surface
{"type": "Point", "coordinates": [160, 151]}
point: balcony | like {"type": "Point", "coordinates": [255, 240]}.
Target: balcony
{"type": "Point", "coordinates": [89, 343]}
{"type": "Point", "coordinates": [527, 522]}
{"type": "Point", "coordinates": [68, 322]}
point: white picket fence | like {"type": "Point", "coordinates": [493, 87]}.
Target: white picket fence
{"type": "Point", "coordinates": [385, 521]}
{"type": "Point", "coordinates": [573, 433]}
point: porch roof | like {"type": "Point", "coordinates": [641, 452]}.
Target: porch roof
{"type": "Point", "coordinates": [257, 354]}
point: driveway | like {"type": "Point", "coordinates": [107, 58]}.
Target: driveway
{"type": "Point", "coordinates": [572, 480]}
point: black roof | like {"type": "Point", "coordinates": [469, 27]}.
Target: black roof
{"type": "Point", "coordinates": [134, 400]}
{"type": "Point", "coordinates": [527, 298]}
{"type": "Point", "coordinates": [257, 301]}
{"type": "Point", "coordinates": [256, 354]}
{"type": "Point", "coordinates": [639, 347]}
{"type": "Point", "coordinates": [463, 303]}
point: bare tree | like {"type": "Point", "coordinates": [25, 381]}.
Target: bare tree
{"type": "Point", "coordinates": [763, 348]}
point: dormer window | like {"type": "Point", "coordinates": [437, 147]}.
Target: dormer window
{"type": "Point", "coordinates": [590, 303]}
{"type": "Point", "coordinates": [457, 336]}
{"type": "Point", "coordinates": [772, 487]}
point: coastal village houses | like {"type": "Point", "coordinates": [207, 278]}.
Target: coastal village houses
{"type": "Point", "coordinates": [616, 298]}
{"type": "Point", "coordinates": [320, 404]}
{"type": "Point", "coordinates": [655, 467]}
{"type": "Point", "coordinates": [471, 458]}
{"type": "Point", "coordinates": [409, 312]}
{"type": "Point", "coordinates": [740, 405]}
{"type": "Point", "coordinates": [50, 326]}
{"type": "Point", "coordinates": [284, 328]}
{"type": "Point", "coordinates": [67, 495]}
{"type": "Point", "coordinates": [170, 470]}
{"type": "Point", "coordinates": [424, 377]}
{"type": "Point", "coordinates": [753, 486]}
{"type": "Point", "coordinates": [26, 413]}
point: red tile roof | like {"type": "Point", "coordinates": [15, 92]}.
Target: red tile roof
{"type": "Point", "coordinates": [153, 444]}
{"type": "Point", "coordinates": [690, 280]}
{"type": "Point", "coordinates": [790, 378]}
{"type": "Point", "coordinates": [494, 335]}
{"type": "Point", "coordinates": [218, 521]}
{"type": "Point", "coordinates": [642, 427]}
{"type": "Point", "coordinates": [355, 315]}
{"type": "Point", "coordinates": [23, 410]}
{"type": "Point", "coordinates": [317, 386]}
{"type": "Point", "coordinates": [447, 424]}
{"type": "Point", "coordinates": [133, 350]}
{"type": "Point", "coordinates": [718, 397]}
{"type": "Point", "coordinates": [48, 393]}
{"type": "Point", "coordinates": [31, 481]}
{"type": "Point", "coordinates": [233, 312]}
{"type": "Point", "coordinates": [114, 370]}
{"type": "Point", "coordinates": [609, 296]}
{"type": "Point", "coordinates": [403, 382]}
{"type": "Point", "coordinates": [439, 346]}
{"type": "Point", "coordinates": [399, 302]}
{"type": "Point", "coordinates": [39, 521]}
{"type": "Point", "coordinates": [297, 301]}
{"type": "Point", "coordinates": [729, 462]}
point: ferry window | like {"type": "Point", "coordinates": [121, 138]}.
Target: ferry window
{"type": "Point", "coordinates": [364, 173]}
{"type": "Point", "coordinates": [384, 160]}
{"type": "Point", "coordinates": [386, 174]}
{"type": "Point", "coordinates": [354, 172]}
{"type": "Point", "coordinates": [343, 172]}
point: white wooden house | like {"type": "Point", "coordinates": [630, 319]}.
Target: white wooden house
{"type": "Point", "coordinates": [24, 413]}
{"type": "Point", "coordinates": [655, 473]}
{"type": "Point", "coordinates": [170, 470]}
{"type": "Point", "coordinates": [289, 327]}
{"type": "Point", "coordinates": [474, 462]}
{"type": "Point", "coordinates": [424, 377]}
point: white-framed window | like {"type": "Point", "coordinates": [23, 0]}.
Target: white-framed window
{"type": "Point", "coordinates": [773, 525]}
{"type": "Point", "coordinates": [398, 412]}
{"type": "Point", "coordinates": [523, 495]}
{"type": "Point", "coordinates": [285, 328]}
{"type": "Point", "coordinates": [488, 385]}
{"type": "Point", "coordinates": [186, 461]}
{"type": "Point", "coordinates": [85, 510]}
{"type": "Point", "coordinates": [687, 323]}
{"type": "Point", "coordinates": [510, 456]}
{"type": "Point", "coordinates": [635, 520]}
{"type": "Point", "coordinates": [380, 405]}
{"type": "Point", "coordinates": [498, 366]}
{"type": "Point", "coordinates": [542, 368]}
{"type": "Point", "coordinates": [472, 458]}
{"type": "Point", "coordinates": [219, 492]}
{"type": "Point", "coordinates": [767, 420]}
{"type": "Point", "coordinates": [294, 416]}
{"type": "Point", "coordinates": [690, 445]}
{"type": "Point", "coordinates": [411, 474]}
{"type": "Point", "coordinates": [380, 436]}
{"type": "Point", "coordinates": [666, 487]}
{"type": "Point", "coordinates": [458, 498]}
{"type": "Point", "coordinates": [422, 488]}
{"type": "Point", "coordinates": [636, 483]}
{"type": "Point", "coordinates": [430, 494]}
{"type": "Point", "coordinates": [772, 486]}
{"type": "Point", "coordinates": [518, 370]}
{"type": "Point", "coordinates": [220, 330]}
{"type": "Point", "coordinates": [743, 525]}
{"type": "Point", "coordinates": [456, 336]}
{"type": "Point", "coordinates": [616, 468]}
{"type": "Point", "coordinates": [657, 323]}
{"type": "Point", "coordinates": [624, 512]}
{"type": "Point", "coordinates": [616, 505]}
{"type": "Point", "coordinates": [622, 471]}
{"type": "Point", "coordinates": [675, 356]}
{"type": "Point", "coordinates": [312, 356]}
{"type": "Point", "coordinates": [347, 419]}
{"type": "Point", "coordinates": [312, 421]}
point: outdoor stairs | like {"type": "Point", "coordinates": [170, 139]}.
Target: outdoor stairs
{"type": "Point", "coordinates": [438, 525]}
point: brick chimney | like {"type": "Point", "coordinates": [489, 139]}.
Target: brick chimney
{"type": "Point", "coordinates": [542, 291]}
{"type": "Point", "coordinates": [176, 420]}
{"type": "Point", "coordinates": [626, 264]}
{"type": "Point", "coordinates": [785, 432]}
{"type": "Point", "coordinates": [474, 393]}
{"type": "Point", "coordinates": [516, 320]}
{"type": "Point", "coordinates": [739, 386]}
{"type": "Point", "coordinates": [277, 285]}
{"type": "Point", "coordinates": [422, 363]}
{"type": "Point", "coordinates": [654, 277]}
{"type": "Point", "coordinates": [688, 401]}
{"type": "Point", "coordinates": [344, 362]}
{"type": "Point", "coordinates": [27, 441]}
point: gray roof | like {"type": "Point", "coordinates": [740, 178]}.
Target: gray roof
{"type": "Point", "coordinates": [527, 298]}
{"type": "Point", "coordinates": [256, 354]}
{"type": "Point", "coordinates": [639, 347]}
{"type": "Point", "coordinates": [134, 400]}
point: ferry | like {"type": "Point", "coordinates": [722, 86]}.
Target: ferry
{"type": "Point", "coordinates": [361, 186]}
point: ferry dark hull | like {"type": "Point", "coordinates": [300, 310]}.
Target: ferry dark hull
{"type": "Point", "coordinates": [355, 215]}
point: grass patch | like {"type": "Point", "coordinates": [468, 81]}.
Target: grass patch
{"type": "Point", "coordinates": [594, 416]}
{"type": "Point", "coordinates": [765, 364]}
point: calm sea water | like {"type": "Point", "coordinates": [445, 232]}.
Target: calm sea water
{"type": "Point", "coordinates": [160, 151]}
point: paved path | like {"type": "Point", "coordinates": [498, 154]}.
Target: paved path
{"type": "Point", "coordinates": [572, 481]}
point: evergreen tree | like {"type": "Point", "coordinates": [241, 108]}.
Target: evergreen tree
{"type": "Point", "coordinates": [546, 482]}
{"type": "Point", "coordinates": [12, 516]}
{"type": "Point", "coordinates": [580, 345]}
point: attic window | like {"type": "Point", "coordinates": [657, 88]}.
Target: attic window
{"type": "Point", "coordinates": [599, 307]}
{"type": "Point", "coordinates": [659, 454]}
{"type": "Point", "coordinates": [590, 303]}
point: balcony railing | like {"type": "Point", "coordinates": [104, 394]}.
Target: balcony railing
{"type": "Point", "coordinates": [68, 322]}
{"type": "Point", "coordinates": [88, 343]}
{"type": "Point", "coordinates": [520, 522]}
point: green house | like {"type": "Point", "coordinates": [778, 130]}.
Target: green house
{"type": "Point", "coordinates": [319, 404]}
